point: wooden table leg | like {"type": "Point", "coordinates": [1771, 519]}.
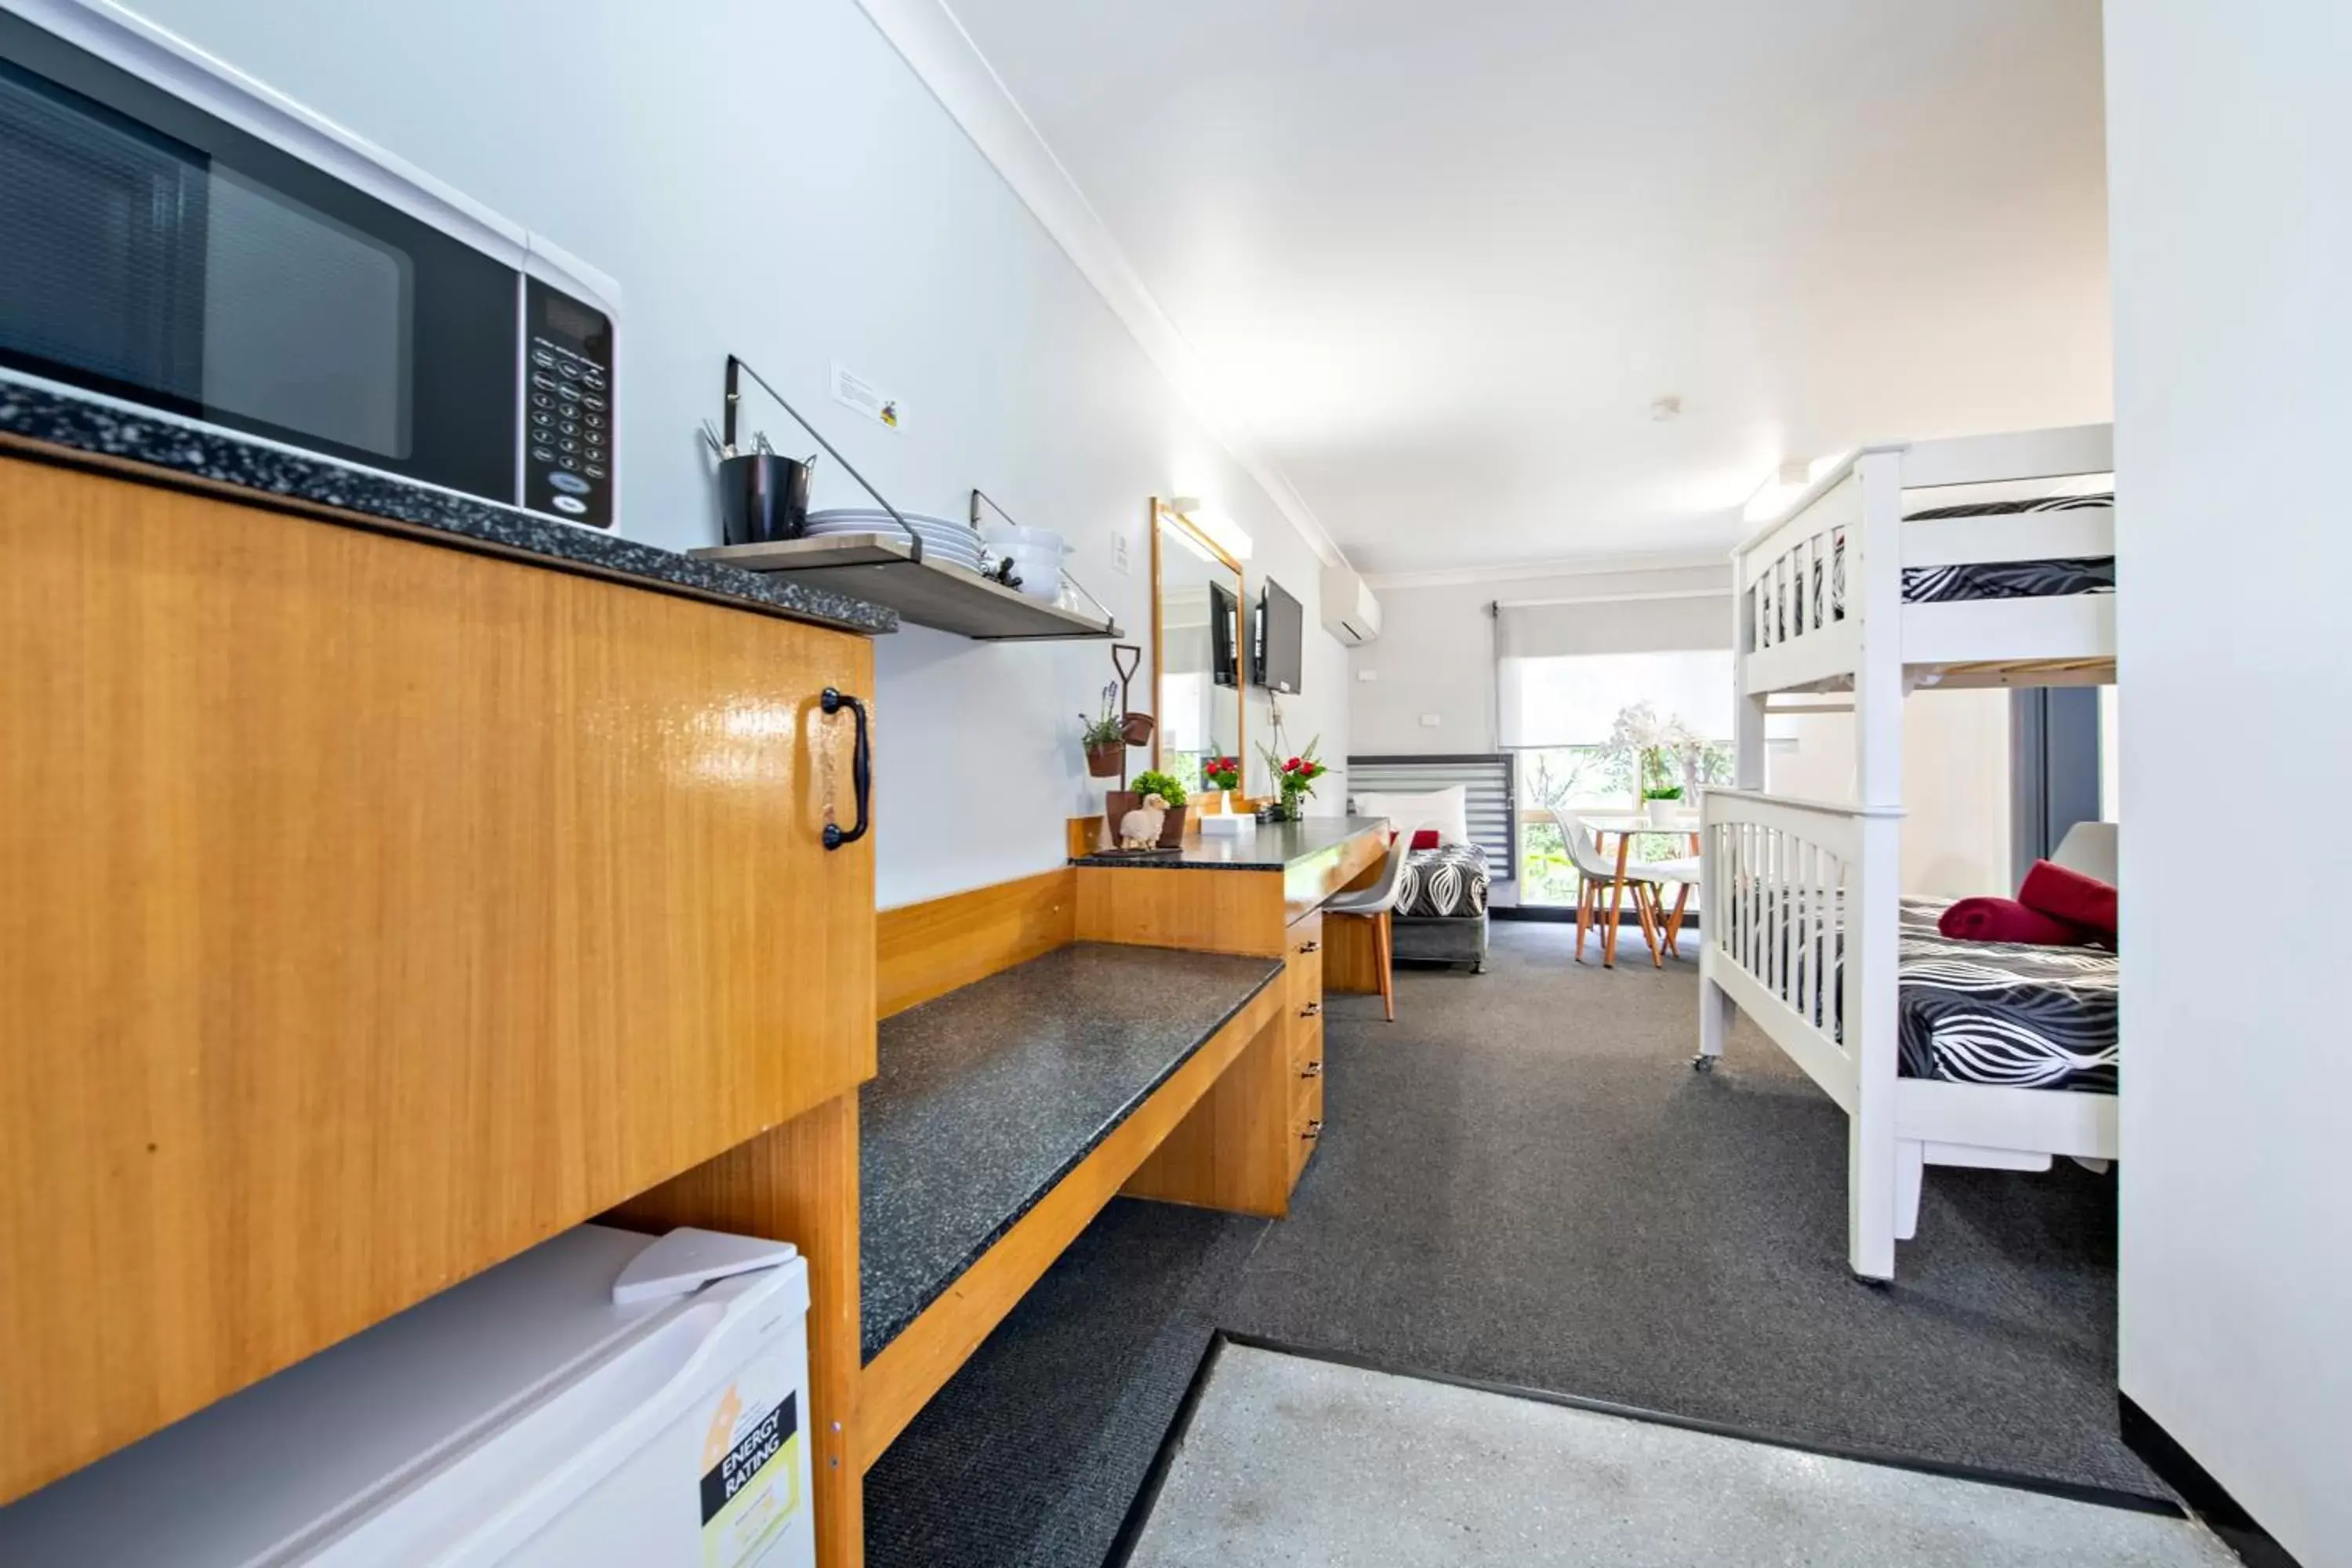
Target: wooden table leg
{"type": "Point", "coordinates": [1616, 904]}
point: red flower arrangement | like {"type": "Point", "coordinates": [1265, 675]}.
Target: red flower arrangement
{"type": "Point", "coordinates": [1296, 776]}
{"type": "Point", "coordinates": [1221, 773]}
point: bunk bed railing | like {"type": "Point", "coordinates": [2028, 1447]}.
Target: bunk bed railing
{"type": "Point", "coordinates": [1801, 927]}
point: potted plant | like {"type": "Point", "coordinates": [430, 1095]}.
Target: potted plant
{"type": "Point", "coordinates": [1222, 774]}
{"type": "Point", "coordinates": [1118, 802]}
{"type": "Point", "coordinates": [1294, 777]}
{"type": "Point", "coordinates": [1104, 737]}
{"type": "Point", "coordinates": [1135, 729]}
{"type": "Point", "coordinates": [1657, 746]}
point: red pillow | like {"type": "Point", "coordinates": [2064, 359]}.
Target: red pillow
{"type": "Point", "coordinates": [1422, 838]}
{"type": "Point", "coordinates": [2053, 890]}
{"type": "Point", "coordinates": [2006, 920]}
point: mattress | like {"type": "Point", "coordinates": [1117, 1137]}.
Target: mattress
{"type": "Point", "coordinates": [2003, 1013]}
{"type": "Point", "coordinates": [1952, 585]}
{"type": "Point", "coordinates": [1448, 882]}
{"type": "Point", "coordinates": [2007, 1014]}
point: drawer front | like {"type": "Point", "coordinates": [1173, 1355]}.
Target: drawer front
{"type": "Point", "coordinates": [1307, 1046]}
{"type": "Point", "coordinates": [1306, 1127]}
{"type": "Point", "coordinates": [1302, 959]}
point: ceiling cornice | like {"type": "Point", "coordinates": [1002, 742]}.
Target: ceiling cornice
{"type": "Point", "coordinates": [946, 59]}
{"type": "Point", "coordinates": [1574, 566]}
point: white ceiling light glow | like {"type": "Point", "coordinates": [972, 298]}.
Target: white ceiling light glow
{"type": "Point", "coordinates": [1221, 531]}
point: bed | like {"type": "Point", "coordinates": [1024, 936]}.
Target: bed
{"type": "Point", "coordinates": [1440, 912]}
{"type": "Point", "coordinates": [1903, 567]}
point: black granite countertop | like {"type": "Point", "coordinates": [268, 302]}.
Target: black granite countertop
{"type": "Point", "coordinates": [1271, 848]}
{"type": "Point", "coordinates": [991, 1094]}
{"type": "Point", "coordinates": [167, 448]}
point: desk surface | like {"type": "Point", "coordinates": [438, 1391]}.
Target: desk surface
{"type": "Point", "coordinates": [988, 1095]}
{"type": "Point", "coordinates": [1271, 847]}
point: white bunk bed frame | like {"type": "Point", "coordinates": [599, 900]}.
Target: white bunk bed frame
{"type": "Point", "coordinates": [1788, 881]}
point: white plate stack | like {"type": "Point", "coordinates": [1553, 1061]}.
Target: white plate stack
{"type": "Point", "coordinates": [1036, 555]}
{"type": "Point", "coordinates": [943, 540]}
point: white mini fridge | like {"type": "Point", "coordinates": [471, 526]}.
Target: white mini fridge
{"type": "Point", "coordinates": [604, 1398]}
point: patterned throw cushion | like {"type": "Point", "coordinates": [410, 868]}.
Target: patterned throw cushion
{"type": "Point", "coordinates": [1447, 882]}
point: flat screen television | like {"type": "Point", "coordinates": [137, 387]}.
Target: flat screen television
{"type": "Point", "coordinates": [1281, 630]}
{"type": "Point", "coordinates": [1225, 635]}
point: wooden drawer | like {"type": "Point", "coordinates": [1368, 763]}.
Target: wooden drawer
{"type": "Point", "coordinates": [1306, 1042]}
{"type": "Point", "coordinates": [1306, 1127]}
{"type": "Point", "coordinates": [1303, 960]}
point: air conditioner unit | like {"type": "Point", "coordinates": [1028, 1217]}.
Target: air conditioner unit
{"type": "Point", "coordinates": [1349, 611]}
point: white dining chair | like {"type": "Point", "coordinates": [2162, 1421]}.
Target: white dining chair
{"type": "Point", "coordinates": [1596, 897]}
{"type": "Point", "coordinates": [1376, 903]}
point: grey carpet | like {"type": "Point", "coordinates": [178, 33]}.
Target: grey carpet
{"type": "Point", "coordinates": [1521, 1181]}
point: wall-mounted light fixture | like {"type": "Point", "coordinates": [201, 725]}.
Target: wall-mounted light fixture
{"type": "Point", "coordinates": [1223, 531]}
{"type": "Point", "coordinates": [1783, 485]}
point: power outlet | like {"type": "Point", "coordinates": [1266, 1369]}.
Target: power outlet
{"type": "Point", "coordinates": [1431, 720]}
{"type": "Point", "coordinates": [1368, 676]}
{"type": "Point", "coordinates": [1118, 553]}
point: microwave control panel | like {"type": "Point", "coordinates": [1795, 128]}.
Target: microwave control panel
{"type": "Point", "coordinates": [567, 407]}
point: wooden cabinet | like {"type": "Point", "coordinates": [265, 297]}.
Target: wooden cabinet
{"type": "Point", "coordinates": [1303, 959]}
{"type": "Point", "coordinates": [373, 911]}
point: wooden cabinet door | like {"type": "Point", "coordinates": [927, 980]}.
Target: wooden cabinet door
{"type": "Point", "coordinates": [373, 911]}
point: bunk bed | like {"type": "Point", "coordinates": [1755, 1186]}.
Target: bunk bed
{"type": "Point", "coordinates": [1987, 561]}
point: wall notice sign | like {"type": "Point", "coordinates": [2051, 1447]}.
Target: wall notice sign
{"type": "Point", "coordinates": [751, 1488]}
{"type": "Point", "coordinates": [852, 390]}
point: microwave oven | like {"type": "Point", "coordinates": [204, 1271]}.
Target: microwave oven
{"type": "Point", "coordinates": [180, 237]}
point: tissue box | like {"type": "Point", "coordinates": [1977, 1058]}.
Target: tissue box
{"type": "Point", "coordinates": [1227, 825]}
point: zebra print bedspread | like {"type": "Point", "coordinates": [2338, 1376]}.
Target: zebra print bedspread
{"type": "Point", "coordinates": [1447, 882]}
{"type": "Point", "coordinates": [1989, 1012]}
{"type": "Point", "coordinates": [1990, 580]}
{"type": "Point", "coordinates": [2003, 1013]}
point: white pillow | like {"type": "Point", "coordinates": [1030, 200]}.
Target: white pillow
{"type": "Point", "coordinates": [1446, 810]}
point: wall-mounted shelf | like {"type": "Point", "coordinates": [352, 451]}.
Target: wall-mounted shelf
{"type": "Point", "coordinates": [881, 569]}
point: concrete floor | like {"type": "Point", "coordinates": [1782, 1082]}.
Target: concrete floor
{"type": "Point", "coordinates": [1300, 1462]}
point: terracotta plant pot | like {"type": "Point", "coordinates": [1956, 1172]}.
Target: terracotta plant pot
{"type": "Point", "coordinates": [1137, 728]}
{"type": "Point", "coordinates": [1118, 802]}
{"type": "Point", "coordinates": [1105, 762]}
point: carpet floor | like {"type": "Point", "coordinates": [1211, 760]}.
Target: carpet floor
{"type": "Point", "coordinates": [1522, 1182]}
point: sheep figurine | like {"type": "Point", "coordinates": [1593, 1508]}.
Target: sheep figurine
{"type": "Point", "coordinates": [1139, 828]}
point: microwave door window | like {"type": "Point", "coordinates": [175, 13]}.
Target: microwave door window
{"type": "Point", "coordinates": [102, 243]}
{"type": "Point", "coordinates": [308, 323]}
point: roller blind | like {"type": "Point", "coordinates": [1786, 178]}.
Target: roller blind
{"type": "Point", "coordinates": [1563, 672]}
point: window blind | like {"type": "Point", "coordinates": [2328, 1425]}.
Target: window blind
{"type": "Point", "coordinates": [1563, 672]}
{"type": "Point", "coordinates": [1487, 782]}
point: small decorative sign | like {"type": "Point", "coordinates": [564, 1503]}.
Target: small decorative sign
{"type": "Point", "coordinates": [853, 390]}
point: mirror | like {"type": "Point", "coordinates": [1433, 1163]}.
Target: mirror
{"type": "Point", "coordinates": [1198, 647]}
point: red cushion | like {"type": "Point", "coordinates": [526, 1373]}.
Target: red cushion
{"type": "Point", "coordinates": [1422, 838]}
{"type": "Point", "coordinates": [2006, 920]}
{"type": "Point", "coordinates": [2065, 895]}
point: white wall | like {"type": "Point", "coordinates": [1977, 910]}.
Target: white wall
{"type": "Point", "coordinates": [1436, 655]}
{"type": "Point", "coordinates": [2231, 243]}
{"type": "Point", "coordinates": [772, 180]}
{"type": "Point", "coordinates": [1956, 784]}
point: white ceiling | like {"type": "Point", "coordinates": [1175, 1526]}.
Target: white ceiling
{"type": "Point", "coordinates": [1441, 260]}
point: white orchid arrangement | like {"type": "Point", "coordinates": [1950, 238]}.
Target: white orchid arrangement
{"type": "Point", "coordinates": [1658, 745]}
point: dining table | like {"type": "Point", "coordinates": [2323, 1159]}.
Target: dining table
{"type": "Point", "coordinates": [1627, 826]}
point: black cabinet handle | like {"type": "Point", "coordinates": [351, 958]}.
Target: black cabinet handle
{"type": "Point", "coordinates": [1310, 947]}
{"type": "Point", "coordinates": [1313, 1130]}
{"type": "Point", "coordinates": [861, 769]}
{"type": "Point", "coordinates": [1310, 1010]}
{"type": "Point", "coordinates": [1312, 1069]}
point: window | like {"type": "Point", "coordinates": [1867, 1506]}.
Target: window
{"type": "Point", "coordinates": [1561, 710]}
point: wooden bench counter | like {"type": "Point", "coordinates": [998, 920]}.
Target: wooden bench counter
{"type": "Point", "coordinates": [987, 1097]}
{"type": "Point", "coordinates": [1005, 1115]}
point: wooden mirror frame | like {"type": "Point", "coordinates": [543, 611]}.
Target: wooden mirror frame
{"type": "Point", "coordinates": [1160, 511]}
